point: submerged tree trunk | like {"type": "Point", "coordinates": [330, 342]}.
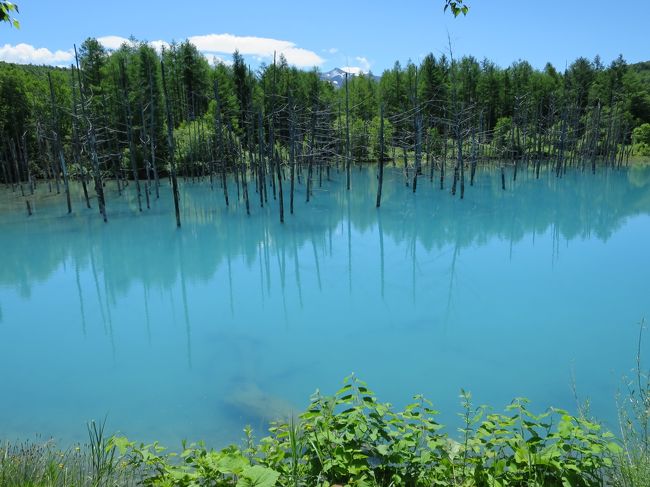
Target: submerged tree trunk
{"type": "Point", "coordinates": [170, 143]}
{"type": "Point", "coordinates": [129, 132]}
{"type": "Point", "coordinates": [58, 147]}
{"type": "Point", "coordinates": [219, 148]}
{"type": "Point", "coordinates": [348, 156]}
{"type": "Point", "coordinates": [280, 195]}
{"type": "Point", "coordinates": [381, 155]}
{"type": "Point", "coordinates": [311, 153]}
{"type": "Point", "coordinates": [292, 152]}
{"type": "Point", "coordinates": [76, 152]}
{"type": "Point", "coordinates": [152, 129]}
{"type": "Point", "coordinates": [92, 139]}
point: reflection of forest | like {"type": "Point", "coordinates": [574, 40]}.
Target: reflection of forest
{"type": "Point", "coordinates": [147, 247]}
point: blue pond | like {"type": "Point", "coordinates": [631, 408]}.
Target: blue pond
{"type": "Point", "coordinates": [234, 319]}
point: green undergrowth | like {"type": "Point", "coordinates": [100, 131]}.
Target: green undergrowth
{"type": "Point", "coordinates": [42, 464]}
{"type": "Point", "coordinates": [351, 438]}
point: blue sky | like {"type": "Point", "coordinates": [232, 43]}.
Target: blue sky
{"type": "Point", "coordinates": [358, 33]}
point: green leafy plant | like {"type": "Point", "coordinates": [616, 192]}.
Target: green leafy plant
{"type": "Point", "coordinates": [7, 9]}
{"type": "Point", "coordinates": [195, 465]}
{"type": "Point", "coordinates": [352, 439]}
{"type": "Point", "coordinates": [457, 7]}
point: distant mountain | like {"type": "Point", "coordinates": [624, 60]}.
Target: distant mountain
{"type": "Point", "coordinates": [337, 76]}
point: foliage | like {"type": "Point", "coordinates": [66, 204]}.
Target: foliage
{"type": "Point", "coordinates": [502, 133]}
{"type": "Point", "coordinates": [375, 141]}
{"type": "Point", "coordinates": [457, 7]}
{"type": "Point", "coordinates": [641, 139]}
{"type": "Point", "coordinates": [6, 11]}
{"type": "Point", "coordinates": [196, 466]}
{"type": "Point", "coordinates": [359, 140]}
{"type": "Point", "coordinates": [353, 439]}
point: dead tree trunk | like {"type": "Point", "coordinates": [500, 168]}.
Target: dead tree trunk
{"type": "Point", "coordinates": [76, 152]}
{"type": "Point", "coordinates": [219, 149]}
{"type": "Point", "coordinates": [58, 148]}
{"type": "Point", "coordinates": [292, 151]}
{"type": "Point", "coordinates": [348, 156]}
{"type": "Point", "coordinates": [381, 155]}
{"type": "Point", "coordinates": [92, 139]}
{"type": "Point", "coordinates": [312, 154]}
{"type": "Point", "coordinates": [152, 132]}
{"type": "Point", "coordinates": [280, 195]}
{"type": "Point", "coordinates": [171, 148]}
{"type": "Point", "coordinates": [129, 132]}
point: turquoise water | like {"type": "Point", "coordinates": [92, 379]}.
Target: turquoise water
{"type": "Point", "coordinates": [193, 333]}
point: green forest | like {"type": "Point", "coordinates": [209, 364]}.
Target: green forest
{"type": "Point", "coordinates": [110, 113]}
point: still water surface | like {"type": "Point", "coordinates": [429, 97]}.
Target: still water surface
{"type": "Point", "coordinates": [193, 333]}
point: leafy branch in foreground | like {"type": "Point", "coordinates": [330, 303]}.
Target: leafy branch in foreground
{"type": "Point", "coordinates": [6, 10]}
{"type": "Point", "coordinates": [457, 7]}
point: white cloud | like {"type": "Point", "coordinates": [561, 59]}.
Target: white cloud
{"type": "Point", "coordinates": [364, 67]}
{"type": "Point", "coordinates": [262, 47]}
{"type": "Point", "coordinates": [212, 46]}
{"type": "Point", "coordinates": [113, 42]}
{"type": "Point", "coordinates": [331, 50]}
{"type": "Point", "coordinates": [354, 70]}
{"type": "Point", "coordinates": [364, 63]}
{"type": "Point", "coordinates": [214, 59]}
{"type": "Point", "coordinates": [159, 45]}
{"type": "Point", "coordinates": [28, 54]}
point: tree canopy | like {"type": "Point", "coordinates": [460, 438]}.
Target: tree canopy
{"type": "Point", "coordinates": [221, 111]}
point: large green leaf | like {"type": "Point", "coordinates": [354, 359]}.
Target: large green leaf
{"type": "Point", "coordinates": [235, 464]}
{"type": "Point", "coordinates": [258, 476]}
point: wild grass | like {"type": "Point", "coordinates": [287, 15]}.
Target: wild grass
{"type": "Point", "coordinates": [633, 464]}
{"type": "Point", "coordinates": [43, 464]}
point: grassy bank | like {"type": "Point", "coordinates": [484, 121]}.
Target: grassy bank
{"type": "Point", "coordinates": [351, 438]}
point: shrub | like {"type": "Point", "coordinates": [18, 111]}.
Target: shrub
{"type": "Point", "coordinates": [353, 439]}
